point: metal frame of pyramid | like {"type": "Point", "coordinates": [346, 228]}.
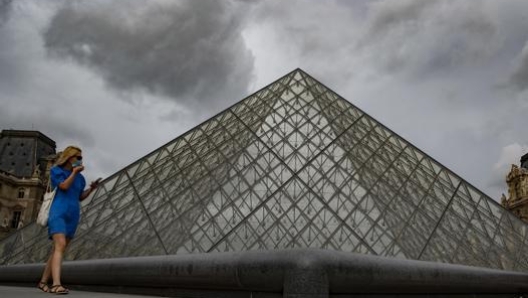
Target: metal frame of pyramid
{"type": "Point", "coordinates": [293, 165]}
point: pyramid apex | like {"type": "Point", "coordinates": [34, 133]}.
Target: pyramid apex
{"type": "Point", "coordinates": [298, 69]}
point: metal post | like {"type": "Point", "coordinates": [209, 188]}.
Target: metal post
{"type": "Point", "coordinates": [306, 281]}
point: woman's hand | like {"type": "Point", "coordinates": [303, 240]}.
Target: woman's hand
{"type": "Point", "coordinates": [68, 182]}
{"type": "Point", "coordinates": [78, 169]}
{"type": "Point", "coordinates": [95, 184]}
{"type": "Point", "coordinates": [87, 192]}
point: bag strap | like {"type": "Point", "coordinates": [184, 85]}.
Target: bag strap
{"type": "Point", "coordinates": [48, 188]}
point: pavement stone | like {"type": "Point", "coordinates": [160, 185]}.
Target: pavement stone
{"type": "Point", "coordinates": [26, 292]}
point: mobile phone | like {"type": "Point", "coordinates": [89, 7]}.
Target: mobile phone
{"type": "Point", "coordinates": [98, 180]}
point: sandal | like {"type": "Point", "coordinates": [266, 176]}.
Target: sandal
{"type": "Point", "coordinates": [43, 287]}
{"type": "Point", "coordinates": [58, 289]}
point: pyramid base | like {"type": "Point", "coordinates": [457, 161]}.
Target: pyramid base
{"type": "Point", "coordinates": [296, 273]}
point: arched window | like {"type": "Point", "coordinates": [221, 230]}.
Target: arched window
{"type": "Point", "coordinates": [21, 193]}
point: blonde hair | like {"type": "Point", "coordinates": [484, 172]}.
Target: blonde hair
{"type": "Point", "coordinates": [66, 154]}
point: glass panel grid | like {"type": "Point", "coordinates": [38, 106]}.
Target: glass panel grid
{"type": "Point", "coordinates": [293, 165]}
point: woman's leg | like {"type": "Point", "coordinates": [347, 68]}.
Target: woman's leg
{"type": "Point", "coordinates": [43, 285]}
{"type": "Point", "coordinates": [59, 247]}
{"type": "Point", "coordinates": [47, 269]}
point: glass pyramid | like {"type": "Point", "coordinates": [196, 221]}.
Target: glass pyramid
{"type": "Point", "coordinates": [292, 166]}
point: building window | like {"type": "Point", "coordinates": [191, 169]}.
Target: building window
{"type": "Point", "coordinates": [21, 193]}
{"type": "Point", "coordinates": [16, 219]}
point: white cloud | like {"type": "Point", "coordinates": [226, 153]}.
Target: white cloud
{"type": "Point", "coordinates": [519, 77]}
{"type": "Point", "coordinates": [509, 155]}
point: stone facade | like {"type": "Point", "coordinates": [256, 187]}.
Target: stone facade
{"type": "Point", "coordinates": [25, 159]}
{"type": "Point", "coordinates": [517, 200]}
{"type": "Point", "coordinates": [19, 201]}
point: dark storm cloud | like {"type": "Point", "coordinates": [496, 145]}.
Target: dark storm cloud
{"type": "Point", "coordinates": [424, 37]}
{"type": "Point", "coordinates": [519, 78]}
{"type": "Point", "coordinates": [407, 38]}
{"type": "Point", "coordinates": [5, 8]}
{"type": "Point", "coordinates": [8, 68]}
{"type": "Point", "coordinates": [190, 51]}
{"type": "Point", "coordinates": [390, 14]}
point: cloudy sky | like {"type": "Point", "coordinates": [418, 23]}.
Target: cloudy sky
{"type": "Point", "coordinates": [450, 76]}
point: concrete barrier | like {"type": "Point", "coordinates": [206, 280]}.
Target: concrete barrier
{"type": "Point", "coordinates": [311, 273]}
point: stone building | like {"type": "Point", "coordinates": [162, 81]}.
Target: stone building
{"type": "Point", "coordinates": [517, 180]}
{"type": "Point", "coordinates": [25, 157]}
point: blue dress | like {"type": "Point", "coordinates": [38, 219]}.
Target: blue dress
{"type": "Point", "coordinates": [65, 209]}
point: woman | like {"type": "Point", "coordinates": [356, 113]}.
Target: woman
{"type": "Point", "coordinates": [64, 213]}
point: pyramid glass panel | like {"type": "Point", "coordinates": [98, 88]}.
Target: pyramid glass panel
{"type": "Point", "coordinates": [293, 165]}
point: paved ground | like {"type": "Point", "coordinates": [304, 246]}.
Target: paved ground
{"type": "Point", "coordinates": [21, 292]}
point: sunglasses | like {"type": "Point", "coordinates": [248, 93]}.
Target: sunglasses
{"type": "Point", "coordinates": [78, 157]}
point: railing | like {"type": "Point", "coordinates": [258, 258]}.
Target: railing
{"type": "Point", "coordinates": [284, 273]}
